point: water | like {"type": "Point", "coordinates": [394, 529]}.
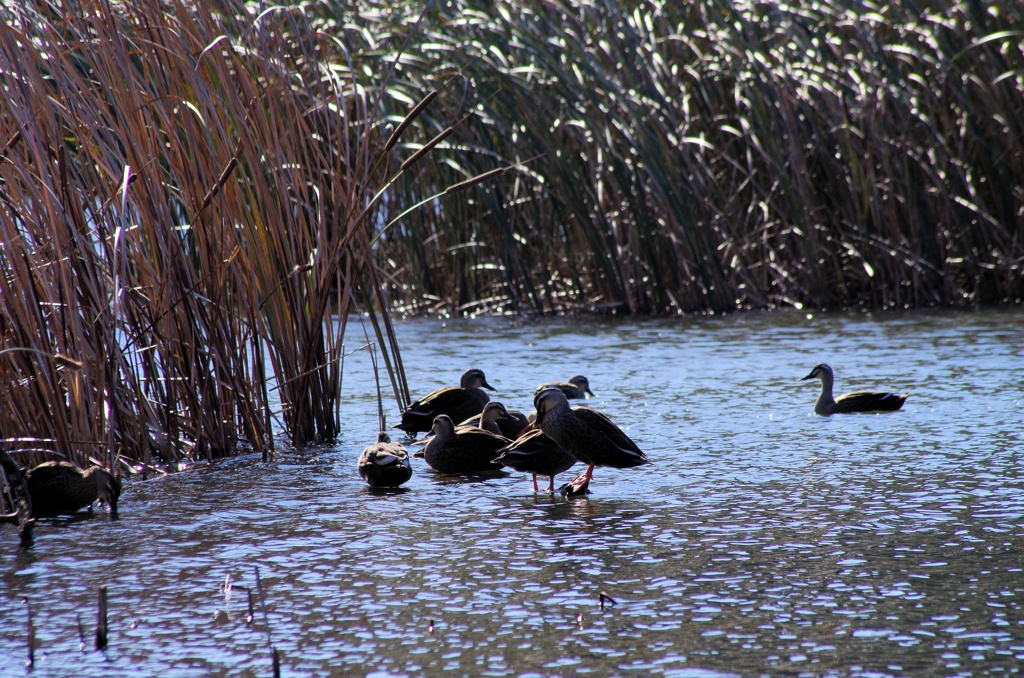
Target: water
{"type": "Point", "coordinates": [763, 539]}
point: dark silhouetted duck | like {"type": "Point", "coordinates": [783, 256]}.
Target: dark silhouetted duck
{"type": "Point", "coordinates": [57, 488]}
{"type": "Point", "coordinates": [458, 402]}
{"type": "Point", "coordinates": [466, 449]}
{"type": "Point", "coordinates": [385, 464]}
{"type": "Point", "coordinates": [496, 419]}
{"type": "Point", "coordinates": [576, 386]}
{"type": "Point", "coordinates": [858, 401]}
{"type": "Point", "coordinates": [536, 453]}
{"type": "Point", "coordinates": [586, 434]}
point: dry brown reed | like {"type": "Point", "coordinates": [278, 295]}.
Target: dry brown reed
{"type": "Point", "coordinates": [188, 199]}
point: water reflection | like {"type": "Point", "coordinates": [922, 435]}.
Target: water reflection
{"type": "Point", "coordinates": [763, 538]}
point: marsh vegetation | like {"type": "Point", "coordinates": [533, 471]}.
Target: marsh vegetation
{"type": "Point", "coordinates": [194, 199]}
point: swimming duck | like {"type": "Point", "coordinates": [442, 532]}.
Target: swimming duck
{"type": "Point", "coordinates": [385, 464]}
{"type": "Point", "coordinates": [458, 402]}
{"type": "Point", "coordinates": [586, 434]}
{"type": "Point", "coordinates": [466, 449]}
{"type": "Point", "coordinates": [496, 419]}
{"type": "Point", "coordinates": [57, 487]}
{"type": "Point", "coordinates": [576, 386]}
{"type": "Point", "coordinates": [535, 453]}
{"type": "Point", "coordinates": [858, 401]}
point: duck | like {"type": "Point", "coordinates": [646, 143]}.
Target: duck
{"type": "Point", "coordinates": [466, 449]}
{"type": "Point", "coordinates": [58, 487]}
{"type": "Point", "coordinates": [458, 402]}
{"type": "Point", "coordinates": [576, 386]}
{"type": "Point", "coordinates": [384, 463]}
{"type": "Point", "coordinates": [858, 401]}
{"type": "Point", "coordinates": [496, 419]}
{"type": "Point", "coordinates": [586, 434]}
{"type": "Point", "coordinates": [534, 452]}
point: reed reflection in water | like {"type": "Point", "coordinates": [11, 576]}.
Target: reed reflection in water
{"type": "Point", "coordinates": [763, 538]}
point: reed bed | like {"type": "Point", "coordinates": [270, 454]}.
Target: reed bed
{"type": "Point", "coordinates": [190, 195]}
{"type": "Point", "coordinates": [710, 156]}
{"type": "Point", "coordinates": [188, 200]}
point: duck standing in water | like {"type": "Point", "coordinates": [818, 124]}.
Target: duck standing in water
{"type": "Point", "coordinates": [57, 488]}
{"type": "Point", "coordinates": [384, 463]}
{"type": "Point", "coordinates": [466, 449]}
{"type": "Point", "coordinates": [535, 453]}
{"type": "Point", "coordinates": [858, 401]}
{"type": "Point", "coordinates": [576, 386]}
{"type": "Point", "coordinates": [587, 435]}
{"type": "Point", "coordinates": [457, 402]}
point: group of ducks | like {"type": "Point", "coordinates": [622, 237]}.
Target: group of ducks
{"type": "Point", "coordinates": [488, 437]}
{"type": "Point", "coordinates": [548, 441]}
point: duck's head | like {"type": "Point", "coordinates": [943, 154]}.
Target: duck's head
{"type": "Point", "coordinates": [547, 400]}
{"type": "Point", "coordinates": [475, 379]}
{"type": "Point", "coordinates": [108, 488]}
{"type": "Point", "coordinates": [443, 426]}
{"type": "Point", "coordinates": [383, 437]}
{"type": "Point", "coordinates": [820, 371]}
{"type": "Point", "coordinates": [494, 411]}
{"type": "Point", "coordinates": [582, 383]}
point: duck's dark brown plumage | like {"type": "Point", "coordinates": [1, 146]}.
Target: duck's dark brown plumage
{"type": "Point", "coordinates": [576, 386]}
{"type": "Point", "coordinates": [466, 449]}
{"type": "Point", "coordinates": [497, 419]}
{"type": "Point", "coordinates": [857, 401]}
{"type": "Point", "coordinates": [57, 488]}
{"type": "Point", "coordinates": [385, 463]}
{"type": "Point", "coordinates": [586, 434]}
{"type": "Point", "coordinates": [457, 402]}
{"type": "Point", "coordinates": [535, 453]}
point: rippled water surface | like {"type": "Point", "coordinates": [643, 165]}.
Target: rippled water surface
{"type": "Point", "coordinates": [762, 540]}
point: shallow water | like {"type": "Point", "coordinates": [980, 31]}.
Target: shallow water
{"type": "Point", "coordinates": [763, 539]}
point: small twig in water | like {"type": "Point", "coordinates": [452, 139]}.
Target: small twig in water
{"type": "Point", "coordinates": [101, 620]}
{"type": "Point", "coordinates": [603, 597]}
{"type": "Point", "coordinates": [249, 617]}
{"type": "Point", "coordinates": [263, 606]}
{"type": "Point", "coordinates": [31, 635]}
{"type": "Point", "coordinates": [81, 633]}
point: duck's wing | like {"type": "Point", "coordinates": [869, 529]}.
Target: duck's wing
{"type": "Point", "coordinates": [476, 437]}
{"type": "Point", "coordinates": [869, 401]}
{"type": "Point", "coordinates": [532, 442]}
{"type": "Point", "coordinates": [435, 402]}
{"type": "Point", "coordinates": [616, 443]}
{"type": "Point", "coordinates": [48, 473]}
{"type": "Point", "coordinates": [382, 458]}
{"type": "Point", "coordinates": [419, 416]}
{"type": "Point", "coordinates": [471, 421]}
{"type": "Point", "coordinates": [535, 452]}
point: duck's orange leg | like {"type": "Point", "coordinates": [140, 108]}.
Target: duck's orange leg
{"type": "Point", "coordinates": [535, 487]}
{"type": "Point", "coordinates": [579, 483]}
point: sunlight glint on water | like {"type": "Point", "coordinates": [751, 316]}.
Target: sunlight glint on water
{"type": "Point", "coordinates": [763, 539]}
